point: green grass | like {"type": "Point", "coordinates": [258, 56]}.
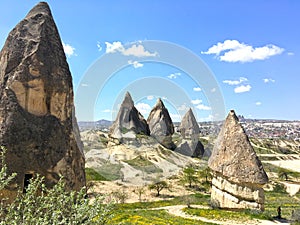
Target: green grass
{"type": "Point", "coordinates": [141, 163]}
{"type": "Point", "coordinates": [110, 171]}
{"type": "Point", "coordinates": [223, 215]}
{"type": "Point", "coordinates": [93, 175]}
{"type": "Point", "coordinates": [149, 217]}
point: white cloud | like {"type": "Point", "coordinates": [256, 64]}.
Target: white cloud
{"type": "Point", "coordinates": [150, 97]}
{"type": "Point", "coordinates": [135, 50]}
{"type": "Point", "coordinates": [135, 64]}
{"type": "Point", "coordinates": [143, 107]}
{"type": "Point", "coordinates": [69, 50]}
{"type": "Point", "coordinates": [107, 111]}
{"type": "Point", "coordinates": [99, 46]}
{"type": "Point", "coordinates": [268, 80]}
{"type": "Point", "coordinates": [203, 107]}
{"type": "Point", "coordinates": [291, 53]}
{"type": "Point", "coordinates": [138, 51]}
{"type": "Point", "coordinates": [175, 117]}
{"type": "Point", "coordinates": [164, 98]}
{"type": "Point", "coordinates": [182, 108]}
{"type": "Point", "coordinates": [234, 51]}
{"type": "Point", "coordinates": [197, 89]}
{"type": "Point", "coordinates": [84, 85]}
{"type": "Point", "coordinates": [208, 118]}
{"type": "Point", "coordinates": [258, 103]}
{"type": "Point", "coordinates": [174, 75]}
{"type": "Point", "coordinates": [213, 90]}
{"type": "Point", "coordinates": [235, 82]}
{"type": "Point", "coordinates": [114, 47]}
{"type": "Point", "coordinates": [196, 101]}
{"type": "Point", "coordinates": [242, 88]}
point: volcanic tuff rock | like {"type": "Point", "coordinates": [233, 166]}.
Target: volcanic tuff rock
{"type": "Point", "coordinates": [129, 122]}
{"type": "Point", "coordinates": [36, 103]}
{"type": "Point", "coordinates": [189, 129]}
{"type": "Point", "coordinates": [238, 173]}
{"type": "Point", "coordinates": [189, 126]}
{"type": "Point", "coordinates": [161, 125]}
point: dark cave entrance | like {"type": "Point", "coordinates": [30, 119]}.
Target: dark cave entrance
{"type": "Point", "coordinates": [27, 180]}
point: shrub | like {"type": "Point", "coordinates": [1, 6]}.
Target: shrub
{"type": "Point", "coordinates": [42, 206]}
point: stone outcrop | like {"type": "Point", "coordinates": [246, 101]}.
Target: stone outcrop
{"type": "Point", "coordinates": [190, 144]}
{"type": "Point", "coordinates": [161, 125]}
{"type": "Point", "coordinates": [129, 122]}
{"type": "Point", "coordinates": [37, 125]}
{"type": "Point", "coordinates": [238, 175]}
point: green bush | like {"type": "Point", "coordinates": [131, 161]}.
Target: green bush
{"type": "Point", "coordinates": [43, 206]}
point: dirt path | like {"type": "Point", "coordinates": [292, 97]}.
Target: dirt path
{"type": "Point", "coordinates": [176, 210]}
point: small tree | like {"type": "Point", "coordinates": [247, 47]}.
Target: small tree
{"type": "Point", "coordinates": [158, 185]}
{"type": "Point", "coordinates": [205, 174]}
{"type": "Point", "coordinates": [283, 174]}
{"type": "Point", "coordinates": [189, 175]}
{"type": "Point", "coordinates": [139, 191]}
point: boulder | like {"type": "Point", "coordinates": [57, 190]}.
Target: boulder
{"type": "Point", "coordinates": [238, 172]}
{"type": "Point", "coordinates": [37, 122]}
{"type": "Point", "coordinates": [129, 122]}
{"type": "Point", "coordinates": [161, 125]}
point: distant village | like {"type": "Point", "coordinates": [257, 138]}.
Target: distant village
{"type": "Point", "coordinates": [256, 128]}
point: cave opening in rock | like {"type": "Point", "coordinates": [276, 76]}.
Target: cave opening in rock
{"type": "Point", "coordinates": [27, 180]}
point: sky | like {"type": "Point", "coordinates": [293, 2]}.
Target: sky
{"type": "Point", "coordinates": [212, 56]}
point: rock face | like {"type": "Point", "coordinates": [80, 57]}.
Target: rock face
{"type": "Point", "coordinates": [161, 125]}
{"type": "Point", "coordinates": [37, 125]}
{"type": "Point", "coordinates": [129, 122]}
{"type": "Point", "coordinates": [238, 175]}
{"type": "Point", "coordinates": [189, 129]}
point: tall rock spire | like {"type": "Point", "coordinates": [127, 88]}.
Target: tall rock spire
{"type": "Point", "coordinates": [190, 144]}
{"type": "Point", "coordinates": [161, 125]}
{"type": "Point", "coordinates": [37, 125]}
{"type": "Point", "coordinates": [129, 121]}
{"type": "Point", "coordinates": [238, 172]}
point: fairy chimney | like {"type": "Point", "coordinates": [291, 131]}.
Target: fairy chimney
{"type": "Point", "coordinates": [238, 175]}
{"type": "Point", "coordinates": [161, 125]}
{"type": "Point", "coordinates": [37, 125]}
{"type": "Point", "coordinates": [190, 145]}
{"type": "Point", "coordinates": [129, 121]}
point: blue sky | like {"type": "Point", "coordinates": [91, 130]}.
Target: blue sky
{"type": "Point", "coordinates": [251, 48]}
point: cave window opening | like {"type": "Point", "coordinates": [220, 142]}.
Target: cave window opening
{"type": "Point", "coordinates": [27, 181]}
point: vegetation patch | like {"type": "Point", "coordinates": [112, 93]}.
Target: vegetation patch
{"type": "Point", "coordinates": [142, 163]}
{"type": "Point", "coordinates": [93, 175]}
{"type": "Point", "coordinates": [150, 217]}
{"type": "Point", "coordinates": [223, 215]}
{"type": "Point", "coordinates": [110, 171]}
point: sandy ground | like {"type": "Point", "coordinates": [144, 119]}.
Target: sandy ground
{"type": "Point", "coordinates": [132, 191]}
{"type": "Point", "coordinates": [287, 164]}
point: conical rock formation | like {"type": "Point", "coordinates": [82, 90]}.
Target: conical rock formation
{"type": "Point", "coordinates": [161, 125]}
{"type": "Point", "coordinates": [129, 121]}
{"type": "Point", "coordinates": [36, 103]}
{"type": "Point", "coordinates": [190, 145]}
{"type": "Point", "coordinates": [189, 126]}
{"type": "Point", "coordinates": [238, 173]}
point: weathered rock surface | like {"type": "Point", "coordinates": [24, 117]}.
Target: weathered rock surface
{"type": "Point", "coordinates": [189, 127]}
{"type": "Point", "coordinates": [161, 125]}
{"type": "Point", "coordinates": [190, 145]}
{"type": "Point", "coordinates": [129, 122]}
{"type": "Point", "coordinates": [238, 173]}
{"type": "Point", "coordinates": [37, 125]}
